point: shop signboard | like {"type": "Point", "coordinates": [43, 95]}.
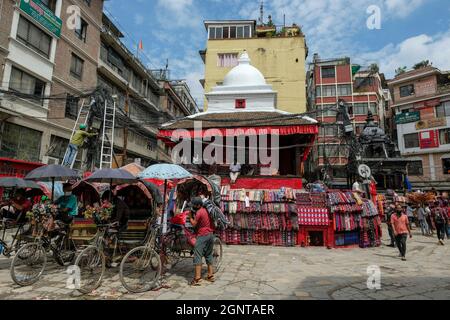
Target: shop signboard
{"type": "Point", "coordinates": [407, 117]}
{"type": "Point", "coordinates": [431, 123]}
{"type": "Point", "coordinates": [429, 139]}
{"type": "Point", "coordinates": [43, 15]}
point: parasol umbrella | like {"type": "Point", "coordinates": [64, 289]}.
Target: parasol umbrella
{"type": "Point", "coordinates": [52, 173]}
{"type": "Point", "coordinates": [133, 168]}
{"type": "Point", "coordinates": [117, 176]}
{"type": "Point", "coordinates": [165, 172]}
{"type": "Point", "coordinates": [18, 183]}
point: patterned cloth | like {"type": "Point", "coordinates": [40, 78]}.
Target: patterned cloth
{"type": "Point", "coordinates": [313, 216]}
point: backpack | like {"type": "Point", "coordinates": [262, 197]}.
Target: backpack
{"type": "Point", "coordinates": [219, 220]}
{"type": "Point", "coordinates": [439, 218]}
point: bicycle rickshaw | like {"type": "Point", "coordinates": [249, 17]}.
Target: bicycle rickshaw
{"type": "Point", "coordinates": [109, 245]}
{"type": "Point", "coordinates": [142, 267]}
{"type": "Point", "coordinates": [49, 235]}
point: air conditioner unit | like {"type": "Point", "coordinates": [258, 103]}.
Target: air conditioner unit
{"type": "Point", "coordinates": [50, 160]}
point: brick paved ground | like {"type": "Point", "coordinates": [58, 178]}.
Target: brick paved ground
{"type": "Point", "coordinates": [278, 273]}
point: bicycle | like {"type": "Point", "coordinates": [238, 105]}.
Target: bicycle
{"type": "Point", "coordinates": [29, 264]}
{"type": "Point", "coordinates": [18, 238]}
{"type": "Point", "coordinates": [92, 261]}
{"type": "Point", "coordinates": [142, 267]}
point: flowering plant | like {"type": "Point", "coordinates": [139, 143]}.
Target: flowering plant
{"type": "Point", "coordinates": [103, 214]}
{"type": "Point", "coordinates": [42, 217]}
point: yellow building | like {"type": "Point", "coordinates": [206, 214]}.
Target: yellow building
{"type": "Point", "coordinates": [279, 53]}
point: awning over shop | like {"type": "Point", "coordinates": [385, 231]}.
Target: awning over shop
{"type": "Point", "coordinates": [249, 131]}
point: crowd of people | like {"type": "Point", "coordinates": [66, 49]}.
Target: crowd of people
{"type": "Point", "coordinates": [431, 218]}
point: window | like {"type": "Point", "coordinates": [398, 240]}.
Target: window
{"type": "Point", "coordinates": [443, 110]}
{"type": "Point", "coordinates": [329, 130]}
{"type": "Point", "coordinates": [360, 82]}
{"type": "Point", "coordinates": [444, 136]}
{"type": "Point", "coordinates": [23, 82]}
{"type": "Point", "coordinates": [58, 147]}
{"type": "Point", "coordinates": [76, 67]}
{"type": "Point", "coordinates": [374, 108]}
{"type": "Point", "coordinates": [360, 108]}
{"type": "Point", "coordinates": [446, 165]}
{"type": "Point", "coordinates": [328, 112]}
{"type": "Point", "coordinates": [415, 168]}
{"type": "Point", "coordinates": [411, 140]}
{"type": "Point", "coordinates": [215, 32]}
{"type": "Point", "coordinates": [247, 32]}
{"type": "Point", "coordinates": [226, 32]}
{"type": "Point", "coordinates": [239, 32]}
{"type": "Point", "coordinates": [51, 4]}
{"type": "Point", "coordinates": [82, 31]}
{"type": "Point", "coordinates": [328, 91]}
{"type": "Point", "coordinates": [232, 32]}
{"type": "Point", "coordinates": [19, 142]}
{"type": "Point", "coordinates": [407, 91]}
{"type": "Point", "coordinates": [240, 104]}
{"type": "Point", "coordinates": [227, 60]}
{"type": "Point", "coordinates": [33, 37]}
{"type": "Point", "coordinates": [328, 72]}
{"type": "Point", "coordinates": [72, 107]}
{"type": "Point", "coordinates": [344, 90]}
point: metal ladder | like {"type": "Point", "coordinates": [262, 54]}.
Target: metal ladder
{"type": "Point", "coordinates": [82, 118]}
{"type": "Point", "coordinates": [109, 119]}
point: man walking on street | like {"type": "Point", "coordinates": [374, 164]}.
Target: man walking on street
{"type": "Point", "coordinates": [440, 221]}
{"type": "Point", "coordinates": [389, 212]}
{"type": "Point", "coordinates": [400, 225]}
{"type": "Point", "coordinates": [76, 142]}
{"type": "Point", "coordinates": [421, 215]}
{"type": "Point", "coordinates": [204, 246]}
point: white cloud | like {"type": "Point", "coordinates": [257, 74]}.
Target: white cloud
{"type": "Point", "coordinates": [402, 8]}
{"type": "Point", "coordinates": [412, 50]}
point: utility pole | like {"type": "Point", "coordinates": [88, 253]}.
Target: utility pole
{"type": "Point", "coordinates": [125, 129]}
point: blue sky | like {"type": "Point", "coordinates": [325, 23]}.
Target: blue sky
{"type": "Point", "coordinates": [411, 30]}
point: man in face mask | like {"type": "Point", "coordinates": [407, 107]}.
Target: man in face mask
{"type": "Point", "coordinates": [204, 229]}
{"type": "Point", "coordinates": [400, 225]}
{"type": "Point", "coordinates": [67, 205]}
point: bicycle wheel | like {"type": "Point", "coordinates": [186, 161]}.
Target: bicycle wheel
{"type": "Point", "coordinates": [91, 264]}
{"type": "Point", "coordinates": [64, 251]}
{"type": "Point", "coordinates": [217, 254]}
{"type": "Point", "coordinates": [28, 264]}
{"type": "Point", "coordinates": [172, 250]}
{"type": "Point", "coordinates": [140, 270]}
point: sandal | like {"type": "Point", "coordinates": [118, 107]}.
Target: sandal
{"type": "Point", "coordinates": [211, 279]}
{"type": "Point", "coordinates": [196, 282]}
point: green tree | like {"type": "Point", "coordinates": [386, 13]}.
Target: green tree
{"type": "Point", "coordinates": [400, 70]}
{"type": "Point", "coordinates": [422, 64]}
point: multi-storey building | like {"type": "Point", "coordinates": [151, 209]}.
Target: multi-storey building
{"type": "Point", "coordinates": [421, 107]}
{"type": "Point", "coordinates": [279, 52]}
{"type": "Point", "coordinates": [50, 60]}
{"type": "Point", "coordinates": [329, 81]}
{"type": "Point", "coordinates": [46, 61]}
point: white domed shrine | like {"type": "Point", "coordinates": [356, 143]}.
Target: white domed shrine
{"type": "Point", "coordinates": [244, 89]}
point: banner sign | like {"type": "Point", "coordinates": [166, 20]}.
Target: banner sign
{"type": "Point", "coordinates": [431, 123]}
{"type": "Point", "coordinates": [407, 117]}
{"type": "Point", "coordinates": [429, 139]}
{"type": "Point", "coordinates": [43, 15]}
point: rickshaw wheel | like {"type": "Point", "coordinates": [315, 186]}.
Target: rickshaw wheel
{"type": "Point", "coordinates": [217, 254]}
{"type": "Point", "coordinates": [28, 264]}
{"type": "Point", "coordinates": [92, 265]}
{"type": "Point", "coordinates": [140, 270]}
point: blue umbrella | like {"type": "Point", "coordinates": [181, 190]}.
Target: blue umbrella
{"type": "Point", "coordinates": [165, 172]}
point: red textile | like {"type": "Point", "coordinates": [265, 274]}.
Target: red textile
{"type": "Point", "coordinates": [267, 183]}
{"type": "Point", "coordinates": [308, 216]}
{"type": "Point", "coordinates": [226, 132]}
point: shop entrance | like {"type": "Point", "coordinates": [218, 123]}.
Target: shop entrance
{"type": "Point", "coordinates": [316, 239]}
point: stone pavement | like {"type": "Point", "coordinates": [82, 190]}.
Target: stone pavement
{"type": "Point", "coordinates": [254, 273]}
